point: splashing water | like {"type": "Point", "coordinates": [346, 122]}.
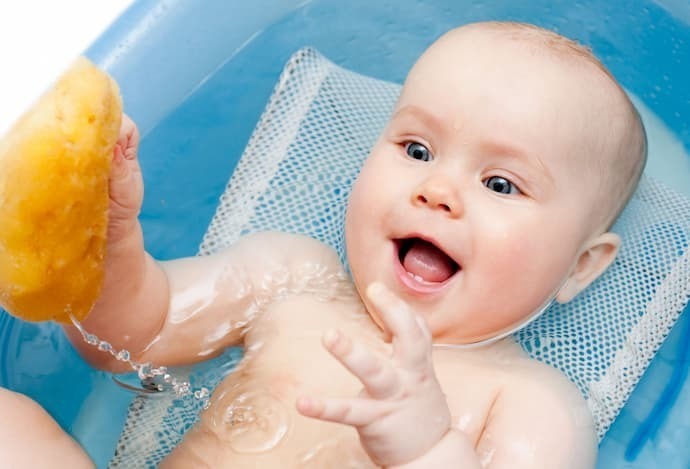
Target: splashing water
{"type": "Point", "coordinates": [156, 379]}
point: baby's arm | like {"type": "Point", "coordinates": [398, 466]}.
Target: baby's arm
{"type": "Point", "coordinates": [134, 298]}
{"type": "Point", "coordinates": [181, 311]}
{"type": "Point", "coordinates": [214, 299]}
{"type": "Point", "coordinates": [532, 427]}
{"type": "Point", "coordinates": [29, 437]}
{"type": "Point", "coordinates": [539, 420]}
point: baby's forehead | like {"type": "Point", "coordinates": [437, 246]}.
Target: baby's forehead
{"type": "Point", "coordinates": [475, 74]}
{"type": "Point", "coordinates": [529, 106]}
{"type": "Point", "coordinates": [550, 114]}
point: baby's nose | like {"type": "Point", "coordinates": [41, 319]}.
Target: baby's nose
{"type": "Point", "coordinates": [438, 194]}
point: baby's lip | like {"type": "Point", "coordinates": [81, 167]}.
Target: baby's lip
{"type": "Point", "coordinates": [416, 284]}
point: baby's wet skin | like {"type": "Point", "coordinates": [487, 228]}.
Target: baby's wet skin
{"type": "Point", "coordinates": [253, 422]}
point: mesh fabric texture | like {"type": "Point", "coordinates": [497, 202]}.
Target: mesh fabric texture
{"type": "Point", "coordinates": [295, 176]}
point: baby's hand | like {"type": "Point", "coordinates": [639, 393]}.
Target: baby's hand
{"type": "Point", "coordinates": [126, 186]}
{"type": "Point", "coordinates": [402, 412]}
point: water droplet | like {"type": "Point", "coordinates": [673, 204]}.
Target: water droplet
{"type": "Point", "coordinates": [181, 389]}
{"type": "Point", "coordinates": [144, 371]}
{"type": "Point", "coordinates": [104, 346]}
{"type": "Point", "coordinates": [91, 339]}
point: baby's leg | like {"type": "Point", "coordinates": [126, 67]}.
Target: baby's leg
{"type": "Point", "coordinates": [29, 437]}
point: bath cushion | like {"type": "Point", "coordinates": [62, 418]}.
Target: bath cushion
{"type": "Point", "coordinates": [295, 175]}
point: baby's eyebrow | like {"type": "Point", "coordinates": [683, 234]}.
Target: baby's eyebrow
{"type": "Point", "coordinates": [410, 111]}
{"type": "Point", "coordinates": [505, 149]}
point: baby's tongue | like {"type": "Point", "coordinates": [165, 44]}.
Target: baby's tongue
{"type": "Point", "coordinates": [427, 261]}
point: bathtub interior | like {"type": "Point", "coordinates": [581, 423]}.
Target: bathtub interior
{"type": "Point", "coordinates": [198, 94]}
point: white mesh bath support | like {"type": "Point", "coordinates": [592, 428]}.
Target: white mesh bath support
{"type": "Point", "coordinates": [295, 175]}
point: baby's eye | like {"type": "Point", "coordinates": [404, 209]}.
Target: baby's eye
{"type": "Point", "coordinates": [418, 151]}
{"type": "Point", "coordinates": [501, 185]}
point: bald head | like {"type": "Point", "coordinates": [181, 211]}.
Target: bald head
{"type": "Point", "coordinates": [619, 149]}
{"type": "Point", "coordinates": [611, 147]}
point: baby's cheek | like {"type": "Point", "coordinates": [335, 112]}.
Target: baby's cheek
{"type": "Point", "coordinates": [523, 266]}
{"type": "Point", "coordinates": [509, 248]}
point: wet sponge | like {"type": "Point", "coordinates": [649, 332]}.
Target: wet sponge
{"type": "Point", "coordinates": [54, 167]}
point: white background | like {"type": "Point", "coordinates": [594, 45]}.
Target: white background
{"type": "Point", "coordinates": [39, 39]}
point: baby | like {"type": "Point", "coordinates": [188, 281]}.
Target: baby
{"type": "Point", "coordinates": [490, 193]}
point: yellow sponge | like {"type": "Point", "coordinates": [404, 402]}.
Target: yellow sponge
{"type": "Point", "coordinates": [54, 167]}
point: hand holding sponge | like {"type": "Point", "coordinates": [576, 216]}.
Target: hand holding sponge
{"type": "Point", "coordinates": [54, 169]}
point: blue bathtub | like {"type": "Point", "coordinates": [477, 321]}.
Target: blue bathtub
{"type": "Point", "coordinates": [189, 70]}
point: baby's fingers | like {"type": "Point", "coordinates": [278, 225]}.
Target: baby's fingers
{"type": "Point", "coordinates": [356, 412]}
{"type": "Point", "coordinates": [374, 372]}
{"type": "Point", "coordinates": [125, 186]}
{"type": "Point", "coordinates": [128, 140]}
{"type": "Point", "coordinates": [411, 336]}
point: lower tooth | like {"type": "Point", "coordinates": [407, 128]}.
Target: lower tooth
{"type": "Point", "coordinates": [420, 279]}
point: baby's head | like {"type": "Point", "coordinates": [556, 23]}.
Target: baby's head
{"type": "Point", "coordinates": [509, 154]}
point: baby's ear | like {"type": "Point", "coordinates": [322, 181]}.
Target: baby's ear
{"type": "Point", "coordinates": [591, 264]}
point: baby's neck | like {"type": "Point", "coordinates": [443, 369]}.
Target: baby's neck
{"type": "Point", "coordinates": [501, 348]}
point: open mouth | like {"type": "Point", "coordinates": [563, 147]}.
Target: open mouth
{"type": "Point", "coordinates": [424, 262]}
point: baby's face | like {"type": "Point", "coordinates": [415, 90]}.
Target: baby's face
{"type": "Point", "coordinates": [475, 203]}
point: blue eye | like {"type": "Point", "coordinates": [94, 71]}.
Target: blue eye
{"type": "Point", "coordinates": [417, 151]}
{"type": "Point", "coordinates": [501, 185]}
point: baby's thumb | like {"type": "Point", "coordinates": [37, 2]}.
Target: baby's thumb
{"type": "Point", "coordinates": [125, 186]}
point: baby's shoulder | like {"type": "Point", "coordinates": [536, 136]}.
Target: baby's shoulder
{"type": "Point", "coordinates": [287, 262]}
{"type": "Point", "coordinates": [538, 405]}
{"type": "Point", "coordinates": [294, 246]}
{"type": "Point", "coordinates": [537, 391]}
{"type": "Point", "coordinates": [543, 383]}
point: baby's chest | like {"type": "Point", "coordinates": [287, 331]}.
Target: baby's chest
{"type": "Point", "coordinates": [254, 407]}
{"type": "Point", "coordinates": [285, 359]}
{"type": "Point", "coordinates": [284, 350]}
{"type": "Point", "coordinates": [289, 355]}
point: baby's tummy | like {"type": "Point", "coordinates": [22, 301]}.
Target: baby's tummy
{"type": "Point", "coordinates": [253, 422]}
{"type": "Point", "coordinates": [269, 436]}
